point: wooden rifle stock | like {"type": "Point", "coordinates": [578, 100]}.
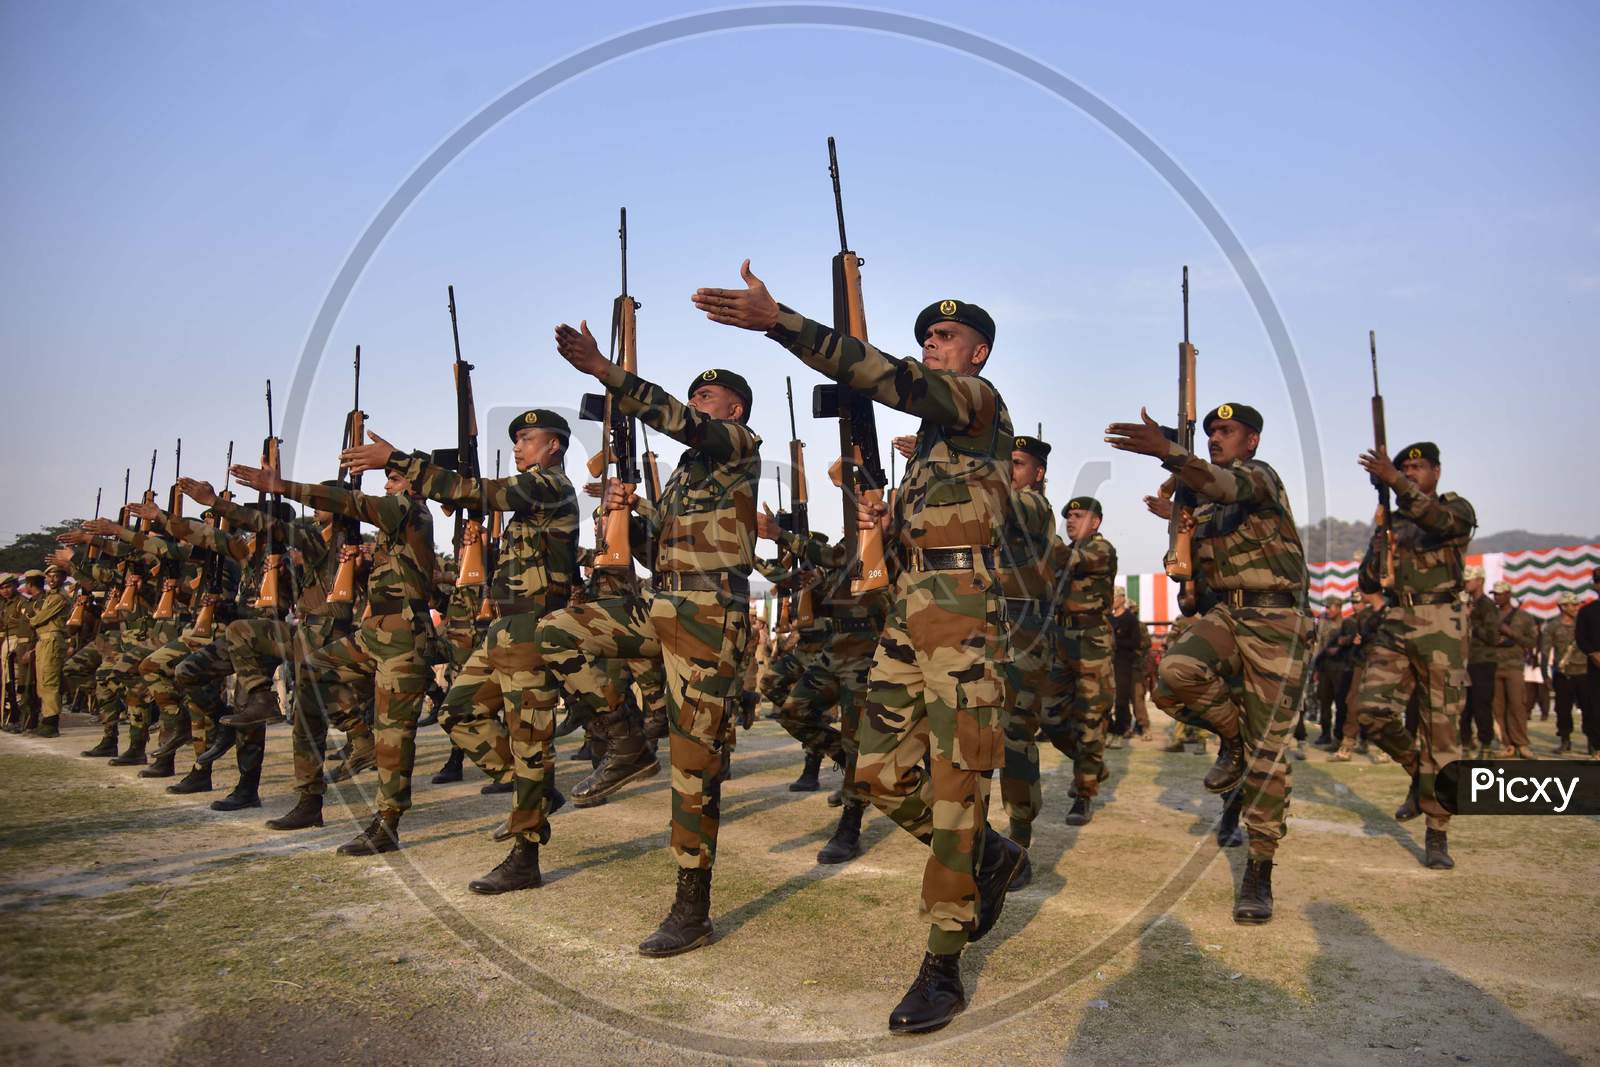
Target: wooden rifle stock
{"type": "Point", "coordinates": [874, 570]}
{"type": "Point", "coordinates": [1384, 519]}
{"type": "Point", "coordinates": [270, 596]}
{"type": "Point", "coordinates": [1179, 562]}
{"type": "Point", "coordinates": [805, 595]}
{"type": "Point", "coordinates": [615, 547]}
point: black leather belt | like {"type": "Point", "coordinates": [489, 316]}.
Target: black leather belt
{"type": "Point", "coordinates": [950, 559]}
{"type": "Point", "coordinates": [1022, 608]}
{"type": "Point", "coordinates": [853, 626]}
{"type": "Point", "coordinates": [1083, 620]}
{"type": "Point", "coordinates": [1410, 599]}
{"type": "Point", "coordinates": [523, 605]}
{"type": "Point", "coordinates": [387, 606]}
{"type": "Point", "coordinates": [1257, 598]}
{"type": "Point", "coordinates": [736, 585]}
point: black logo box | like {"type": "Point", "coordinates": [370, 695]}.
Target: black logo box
{"type": "Point", "coordinates": [1520, 787]}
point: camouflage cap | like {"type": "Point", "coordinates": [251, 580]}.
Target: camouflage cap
{"type": "Point", "coordinates": [1502, 587]}
{"type": "Point", "coordinates": [1421, 450]}
{"type": "Point", "coordinates": [1082, 503]}
{"type": "Point", "coordinates": [955, 311]}
{"type": "Point", "coordinates": [1033, 447]}
{"type": "Point", "coordinates": [730, 381]}
{"type": "Point", "coordinates": [1472, 571]}
{"type": "Point", "coordinates": [1241, 413]}
{"type": "Point", "coordinates": [540, 419]}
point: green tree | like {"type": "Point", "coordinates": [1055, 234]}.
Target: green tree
{"type": "Point", "coordinates": [29, 550]}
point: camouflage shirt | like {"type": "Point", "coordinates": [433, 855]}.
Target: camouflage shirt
{"type": "Point", "coordinates": [706, 517]}
{"type": "Point", "coordinates": [957, 486]}
{"type": "Point", "coordinates": [1483, 625]}
{"type": "Point", "coordinates": [1431, 535]}
{"type": "Point", "coordinates": [1559, 643]}
{"type": "Point", "coordinates": [538, 550]}
{"type": "Point", "coordinates": [1086, 573]}
{"type": "Point", "coordinates": [249, 553]}
{"type": "Point", "coordinates": [1519, 637]}
{"type": "Point", "coordinates": [833, 568]}
{"type": "Point", "coordinates": [1244, 537]}
{"type": "Point", "coordinates": [1026, 544]}
{"type": "Point", "coordinates": [403, 558]}
{"type": "Point", "coordinates": [319, 548]}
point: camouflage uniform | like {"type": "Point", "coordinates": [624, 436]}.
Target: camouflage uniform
{"type": "Point", "coordinates": [938, 682]}
{"type": "Point", "coordinates": [698, 622]}
{"type": "Point", "coordinates": [1421, 643]}
{"type": "Point", "coordinates": [1026, 544]}
{"type": "Point", "coordinates": [1510, 692]}
{"type": "Point", "coordinates": [501, 706]}
{"type": "Point", "coordinates": [1242, 662]}
{"type": "Point", "coordinates": [388, 648]}
{"type": "Point", "coordinates": [806, 708]}
{"type": "Point", "coordinates": [1081, 680]}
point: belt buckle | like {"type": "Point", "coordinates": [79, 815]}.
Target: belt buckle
{"type": "Point", "coordinates": [917, 561]}
{"type": "Point", "coordinates": [1235, 598]}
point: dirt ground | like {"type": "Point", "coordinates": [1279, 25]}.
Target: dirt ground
{"type": "Point", "coordinates": [142, 928]}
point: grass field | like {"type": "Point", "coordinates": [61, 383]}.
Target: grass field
{"type": "Point", "coordinates": [142, 928]}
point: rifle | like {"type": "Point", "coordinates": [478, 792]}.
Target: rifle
{"type": "Point", "coordinates": [84, 600]}
{"type": "Point", "coordinates": [211, 575]}
{"type": "Point", "coordinates": [651, 471]}
{"type": "Point", "coordinates": [355, 428]}
{"type": "Point", "coordinates": [149, 491]}
{"type": "Point", "coordinates": [491, 549]}
{"type": "Point", "coordinates": [893, 483]}
{"type": "Point", "coordinates": [1380, 439]}
{"type": "Point", "coordinates": [861, 475]}
{"type": "Point", "coordinates": [132, 579]}
{"type": "Point", "coordinates": [805, 608]}
{"type": "Point", "coordinates": [471, 566]}
{"type": "Point", "coordinates": [167, 607]}
{"type": "Point", "coordinates": [269, 596]}
{"type": "Point", "coordinates": [1180, 532]}
{"type": "Point", "coordinates": [110, 613]}
{"type": "Point", "coordinates": [613, 546]}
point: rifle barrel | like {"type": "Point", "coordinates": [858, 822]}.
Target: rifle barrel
{"type": "Point", "coordinates": [357, 404]}
{"type": "Point", "coordinates": [838, 195]}
{"type": "Point", "coordinates": [622, 237]}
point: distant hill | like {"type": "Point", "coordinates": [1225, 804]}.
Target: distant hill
{"type": "Point", "coordinates": [1337, 539]}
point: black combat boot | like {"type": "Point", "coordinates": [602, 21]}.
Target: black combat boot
{"type": "Point", "coordinates": [198, 780]}
{"type": "Point", "coordinates": [51, 727]}
{"type": "Point", "coordinates": [519, 870]}
{"type": "Point", "coordinates": [363, 756]}
{"type": "Point", "coordinates": [222, 739]}
{"type": "Point", "coordinates": [585, 752]}
{"type": "Point", "coordinates": [1438, 851]}
{"type": "Point", "coordinates": [655, 723]}
{"type": "Point", "coordinates": [507, 785]}
{"type": "Point", "coordinates": [1082, 812]}
{"type": "Point", "coordinates": [935, 996]}
{"type": "Point", "coordinates": [1228, 833]}
{"type": "Point", "coordinates": [174, 744]}
{"type": "Point", "coordinates": [627, 759]}
{"type": "Point", "coordinates": [451, 771]}
{"type": "Point", "coordinates": [807, 782]}
{"type": "Point", "coordinates": [688, 923]}
{"type": "Point", "coordinates": [845, 844]}
{"type": "Point", "coordinates": [133, 757]}
{"type": "Point", "coordinates": [1411, 807]}
{"type": "Point", "coordinates": [260, 709]}
{"type": "Point", "coordinates": [306, 813]}
{"type": "Point", "coordinates": [106, 747]}
{"type": "Point", "coordinates": [381, 835]}
{"type": "Point", "coordinates": [160, 767]}
{"type": "Point", "coordinates": [569, 722]}
{"type": "Point", "coordinates": [1253, 905]}
{"type": "Point", "coordinates": [1228, 771]}
{"type": "Point", "coordinates": [1022, 832]}
{"type": "Point", "coordinates": [1002, 859]}
{"type": "Point", "coordinates": [244, 793]}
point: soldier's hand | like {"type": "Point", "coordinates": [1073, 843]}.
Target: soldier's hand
{"type": "Point", "coordinates": [593, 489]}
{"type": "Point", "coordinates": [260, 480]}
{"type": "Point", "coordinates": [618, 498]}
{"type": "Point", "coordinates": [906, 445]}
{"type": "Point", "coordinates": [767, 524]}
{"type": "Point", "coordinates": [145, 510]}
{"type": "Point", "coordinates": [578, 347]}
{"type": "Point", "coordinates": [100, 527]}
{"type": "Point", "coordinates": [750, 308]}
{"type": "Point", "coordinates": [368, 457]}
{"type": "Point", "coordinates": [73, 537]}
{"type": "Point", "coordinates": [1144, 437]}
{"type": "Point", "coordinates": [200, 492]}
{"type": "Point", "coordinates": [1376, 462]}
{"type": "Point", "coordinates": [1159, 506]}
{"type": "Point", "coordinates": [61, 557]}
{"type": "Point", "coordinates": [869, 513]}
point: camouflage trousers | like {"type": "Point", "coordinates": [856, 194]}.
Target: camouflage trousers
{"type": "Point", "coordinates": [1419, 649]}
{"type": "Point", "coordinates": [501, 711]}
{"type": "Point", "coordinates": [836, 678]}
{"type": "Point", "coordinates": [938, 688]}
{"type": "Point", "coordinates": [124, 688]}
{"type": "Point", "coordinates": [783, 671]}
{"type": "Point", "coordinates": [81, 667]}
{"type": "Point", "coordinates": [1244, 667]}
{"type": "Point", "coordinates": [49, 655]}
{"type": "Point", "coordinates": [805, 709]}
{"type": "Point", "coordinates": [383, 653]}
{"type": "Point", "coordinates": [158, 670]}
{"type": "Point", "coordinates": [598, 649]}
{"type": "Point", "coordinates": [1032, 653]}
{"type": "Point", "coordinates": [1078, 697]}
{"type": "Point", "coordinates": [700, 638]}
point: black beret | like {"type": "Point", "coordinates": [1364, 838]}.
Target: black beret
{"type": "Point", "coordinates": [1033, 447]}
{"type": "Point", "coordinates": [730, 381]}
{"type": "Point", "coordinates": [1421, 450]}
{"type": "Point", "coordinates": [542, 419]}
{"type": "Point", "coordinates": [1242, 413]}
{"type": "Point", "coordinates": [955, 311]}
{"type": "Point", "coordinates": [1082, 503]}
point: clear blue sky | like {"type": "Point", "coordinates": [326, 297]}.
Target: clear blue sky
{"type": "Point", "coordinates": [183, 181]}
